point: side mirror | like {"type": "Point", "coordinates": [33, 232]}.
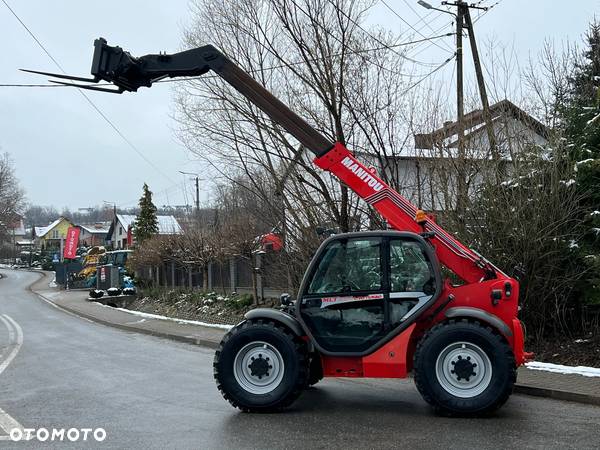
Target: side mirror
{"type": "Point", "coordinates": [285, 300]}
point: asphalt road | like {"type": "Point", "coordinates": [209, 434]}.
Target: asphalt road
{"type": "Point", "coordinates": [148, 392]}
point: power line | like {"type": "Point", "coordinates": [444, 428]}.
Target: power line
{"type": "Point", "coordinates": [274, 67]}
{"type": "Point", "coordinates": [421, 47]}
{"type": "Point", "coordinates": [411, 26]}
{"type": "Point", "coordinates": [429, 74]}
{"type": "Point", "coordinates": [157, 194]}
{"type": "Point", "coordinates": [446, 25]}
{"type": "Point", "coordinates": [32, 35]}
{"type": "Point", "coordinates": [486, 11]}
{"type": "Point", "coordinates": [358, 25]}
{"type": "Point", "coordinates": [31, 85]}
{"type": "Point", "coordinates": [92, 104]}
{"type": "Point", "coordinates": [376, 39]}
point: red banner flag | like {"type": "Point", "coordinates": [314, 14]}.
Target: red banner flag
{"type": "Point", "coordinates": [71, 243]}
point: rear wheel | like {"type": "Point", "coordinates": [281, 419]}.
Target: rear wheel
{"type": "Point", "coordinates": [464, 368]}
{"type": "Point", "coordinates": [261, 366]}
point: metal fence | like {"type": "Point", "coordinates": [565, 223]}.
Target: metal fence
{"type": "Point", "coordinates": [264, 277]}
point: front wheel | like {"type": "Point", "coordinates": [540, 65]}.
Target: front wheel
{"type": "Point", "coordinates": [464, 368]}
{"type": "Point", "coordinates": [260, 366]}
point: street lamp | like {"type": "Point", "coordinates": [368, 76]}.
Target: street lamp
{"type": "Point", "coordinates": [426, 5]}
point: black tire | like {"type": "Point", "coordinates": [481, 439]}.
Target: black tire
{"type": "Point", "coordinates": [428, 373]}
{"type": "Point", "coordinates": [315, 370]}
{"type": "Point", "coordinates": [292, 351]}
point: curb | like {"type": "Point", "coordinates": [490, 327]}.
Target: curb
{"type": "Point", "coordinates": [523, 389]}
{"type": "Point", "coordinates": [556, 394]}
{"type": "Point", "coordinates": [174, 337]}
{"type": "Point", "coordinates": [161, 334]}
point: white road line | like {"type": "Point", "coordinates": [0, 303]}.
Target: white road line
{"type": "Point", "coordinates": [7, 423]}
{"type": "Point", "coordinates": [15, 339]}
{"type": "Point", "coordinates": [13, 327]}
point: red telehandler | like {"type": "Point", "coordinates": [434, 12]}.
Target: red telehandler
{"type": "Point", "coordinates": [371, 304]}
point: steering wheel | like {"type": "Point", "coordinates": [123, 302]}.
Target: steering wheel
{"type": "Point", "coordinates": [330, 287]}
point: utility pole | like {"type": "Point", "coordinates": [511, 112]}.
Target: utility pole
{"type": "Point", "coordinates": [463, 19]}
{"type": "Point", "coordinates": [487, 115]}
{"type": "Point", "coordinates": [197, 182]}
{"type": "Point", "coordinates": [461, 194]}
{"type": "Point", "coordinates": [197, 195]}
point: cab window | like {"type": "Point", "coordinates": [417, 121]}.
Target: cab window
{"type": "Point", "coordinates": [412, 279]}
{"type": "Point", "coordinates": [349, 266]}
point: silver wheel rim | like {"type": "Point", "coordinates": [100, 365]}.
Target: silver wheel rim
{"type": "Point", "coordinates": [463, 369]}
{"type": "Point", "coordinates": [258, 367]}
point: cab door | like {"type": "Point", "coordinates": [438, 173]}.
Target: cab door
{"type": "Point", "coordinates": [363, 289]}
{"type": "Point", "coordinates": [343, 304]}
{"type": "Point", "coordinates": [412, 279]}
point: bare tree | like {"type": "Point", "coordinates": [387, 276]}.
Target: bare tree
{"type": "Point", "coordinates": [317, 56]}
{"type": "Point", "coordinates": [11, 195]}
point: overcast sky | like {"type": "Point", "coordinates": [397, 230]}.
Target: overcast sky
{"type": "Point", "coordinates": [67, 155]}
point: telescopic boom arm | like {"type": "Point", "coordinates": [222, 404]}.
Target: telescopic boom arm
{"type": "Point", "coordinates": [129, 73]}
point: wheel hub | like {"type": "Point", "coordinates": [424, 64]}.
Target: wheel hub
{"type": "Point", "coordinates": [258, 367]}
{"type": "Point", "coordinates": [463, 369]}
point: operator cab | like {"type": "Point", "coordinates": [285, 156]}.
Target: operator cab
{"type": "Point", "coordinates": [361, 289]}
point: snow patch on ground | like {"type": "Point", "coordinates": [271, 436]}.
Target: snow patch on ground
{"type": "Point", "coordinates": [558, 368]}
{"type": "Point", "coordinates": [53, 284]}
{"type": "Point", "coordinates": [173, 319]}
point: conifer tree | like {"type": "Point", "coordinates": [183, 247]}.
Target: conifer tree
{"type": "Point", "coordinates": [582, 130]}
{"type": "Point", "coordinates": [146, 223]}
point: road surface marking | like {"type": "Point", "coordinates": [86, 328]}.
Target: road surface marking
{"type": "Point", "coordinates": [13, 330]}
{"type": "Point", "coordinates": [15, 339]}
{"type": "Point", "coordinates": [7, 423]}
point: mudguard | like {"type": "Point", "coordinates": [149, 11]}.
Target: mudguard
{"type": "Point", "coordinates": [277, 316]}
{"type": "Point", "coordinates": [480, 314]}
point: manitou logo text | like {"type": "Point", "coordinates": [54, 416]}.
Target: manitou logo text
{"type": "Point", "coordinates": [362, 174]}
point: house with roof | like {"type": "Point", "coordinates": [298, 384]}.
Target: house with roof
{"type": "Point", "coordinates": [21, 236]}
{"type": "Point", "coordinates": [17, 232]}
{"type": "Point", "coordinates": [50, 236]}
{"type": "Point", "coordinates": [120, 233]}
{"type": "Point", "coordinates": [15, 238]}
{"type": "Point", "coordinates": [93, 234]}
{"type": "Point", "coordinates": [424, 174]}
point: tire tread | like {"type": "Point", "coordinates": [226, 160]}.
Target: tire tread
{"type": "Point", "coordinates": [499, 341]}
{"type": "Point", "coordinates": [301, 381]}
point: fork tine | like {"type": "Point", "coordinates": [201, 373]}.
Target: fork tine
{"type": "Point", "coordinates": [58, 75]}
{"type": "Point", "coordinates": [91, 88]}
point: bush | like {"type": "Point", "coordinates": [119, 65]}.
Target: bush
{"type": "Point", "coordinates": [531, 222]}
{"type": "Point", "coordinates": [181, 295]}
{"type": "Point", "coordinates": [238, 302]}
